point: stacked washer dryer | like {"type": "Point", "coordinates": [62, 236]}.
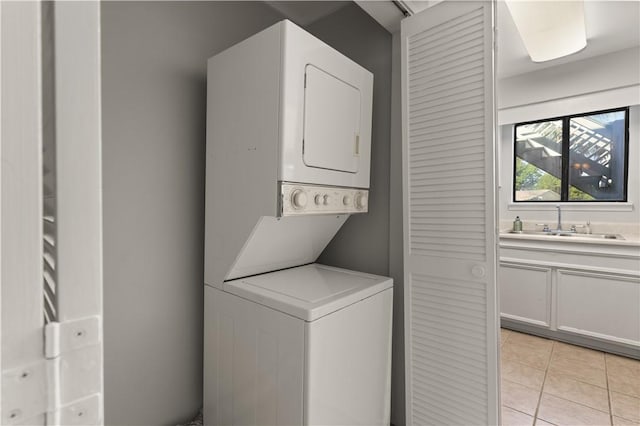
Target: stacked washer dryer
{"type": "Point", "coordinates": [289, 341]}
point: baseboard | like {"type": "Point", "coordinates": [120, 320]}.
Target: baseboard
{"type": "Point", "coordinates": [592, 343]}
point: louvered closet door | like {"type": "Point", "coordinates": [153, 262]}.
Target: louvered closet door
{"type": "Point", "coordinates": [51, 208]}
{"type": "Point", "coordinates": [451, 320]}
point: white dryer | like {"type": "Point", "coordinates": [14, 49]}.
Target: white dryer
{"type": "Point", "coordinates": [288, 341]}
{"type": "Point", "coordinates": [288, 151]}
{"type": "Point", "coordinates": [310, 345]}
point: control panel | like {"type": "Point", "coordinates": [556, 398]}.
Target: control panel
{"type": "Point", "coordinates": [303, 199]}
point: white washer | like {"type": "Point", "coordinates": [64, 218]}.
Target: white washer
{"type": "Point", "coordinates": [309, 345]}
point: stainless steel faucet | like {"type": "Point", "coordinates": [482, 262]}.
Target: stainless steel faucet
{"type": "Point", "coordinates": [559, 226]}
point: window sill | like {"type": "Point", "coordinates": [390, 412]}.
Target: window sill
{"type": "Point", "coordinates": [573, 206]}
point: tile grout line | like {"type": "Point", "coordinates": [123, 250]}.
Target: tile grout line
{"type": "Point", "coordinates": [582, 380]}
{"type": "Point", "coordinates": [559, 397]}
{"type": "Point", "coordinates": [578, 403]}
{"type": "Point", "coordinates": [620, 391]}
{"type": "Point", "coordinates": [577, 380]}
{"type": "Point", "coordinates": [606, 377]}
{"type": "Point", "coordinates": [544, 380]}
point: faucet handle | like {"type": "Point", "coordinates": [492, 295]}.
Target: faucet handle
{"type": "Point", "coordinates": [574, 228]}
{"type": "Point", "coordinates": [545, 227]}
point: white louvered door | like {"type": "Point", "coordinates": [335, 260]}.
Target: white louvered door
{"type": "Point", "coordinates": [451, 319]}
{"type": "Point", "coordinates": [51, 208]}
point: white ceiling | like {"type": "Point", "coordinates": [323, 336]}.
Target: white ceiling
{"type": "Point", "coordinates": [611, 26]}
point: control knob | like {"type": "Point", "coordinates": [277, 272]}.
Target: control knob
{"type": "Point", "coordinates": [346, 200]}
{"type": "Point", "coordinates": [298, 199]}
{"type": "Point", "coordinates": [361, 201]}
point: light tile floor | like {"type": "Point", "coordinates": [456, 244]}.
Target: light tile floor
{"type": "Point", "coordinates": [545, 382]}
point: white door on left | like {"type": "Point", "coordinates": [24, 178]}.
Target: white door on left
{"type": "Point", "coordinates": [51, 212]}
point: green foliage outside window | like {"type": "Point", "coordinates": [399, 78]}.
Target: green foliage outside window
{"type": "Point", "coordinates": [576, 195]}
{"type": "Point", "coordinates": [531, 178]}
{"type": "Point", "coordinates": [526, 175]}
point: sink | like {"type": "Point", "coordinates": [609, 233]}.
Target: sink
{"type": "Point", "coordinates": [570, 234]}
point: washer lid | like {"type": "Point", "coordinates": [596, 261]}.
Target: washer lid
{"type": "Point", "coordinates": [308, 292]}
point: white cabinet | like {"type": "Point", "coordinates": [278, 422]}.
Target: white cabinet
{"type": "Point", "coordinates": [599, 305]}
{"type": "Point", "coordinates": [585, 294]}
{"type": "Point", "coordinates": [525, 293]}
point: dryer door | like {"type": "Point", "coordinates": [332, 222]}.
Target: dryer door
{"type": "Point", "coordinates": [331, 122]}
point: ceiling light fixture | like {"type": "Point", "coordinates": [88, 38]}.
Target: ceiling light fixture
{"type": "Point", "coordinates": [549, 29]}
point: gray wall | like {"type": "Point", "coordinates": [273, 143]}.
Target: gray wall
{"type": "Point", "coordinates": [363, 242]}
{"type": "Point", "coordinates": [396, 258]}
{"type": "Point", "coordinates": [154, 97]}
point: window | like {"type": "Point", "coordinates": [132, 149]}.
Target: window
{"type": "Point", "coordinates": [573, 158]}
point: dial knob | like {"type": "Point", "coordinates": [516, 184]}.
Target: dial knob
{"type": "Point", "coordinates": [346, 200]}
{"type": "Point", "coordinates": [317, 199]}
{"type": "Point", "coordinates": [361, 201]}
{"type": "Point", "coordinates": [326, 199]}
{"type": "Point", "coordinates": [298, 199]}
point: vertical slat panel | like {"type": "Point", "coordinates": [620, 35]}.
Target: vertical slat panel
{"type": "Point", "coordinates": [21, 165]}
{"type": "Point", "coordinates": [448, 149]}
{"type": "Point", "coordinates": [78, 155]}
{"type": "Point", "coordinates": [454, 358]}
{"type": "Point", "coordinates": [426, 172]}
{"type": "Point", "coordinates": [21, 213]}
{"type": "Point", "coordinates": [79, 198]}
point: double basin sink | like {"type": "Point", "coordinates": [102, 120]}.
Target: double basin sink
{"type": "Point", "coordinates": [556, 233]}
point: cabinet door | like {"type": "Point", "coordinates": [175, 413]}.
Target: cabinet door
{"type": "Point", "coordinates": [331, 122]}
{"type": "Point", "coordinates": [525, 293]}
{"type": "Point", "coordinates": [605, 306]}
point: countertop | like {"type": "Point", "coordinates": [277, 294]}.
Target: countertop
{"type": "Point", "coordinates": [629, 240]}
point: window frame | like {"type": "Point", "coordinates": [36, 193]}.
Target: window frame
{"type": "Point", "coordinates": [564, 179]}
